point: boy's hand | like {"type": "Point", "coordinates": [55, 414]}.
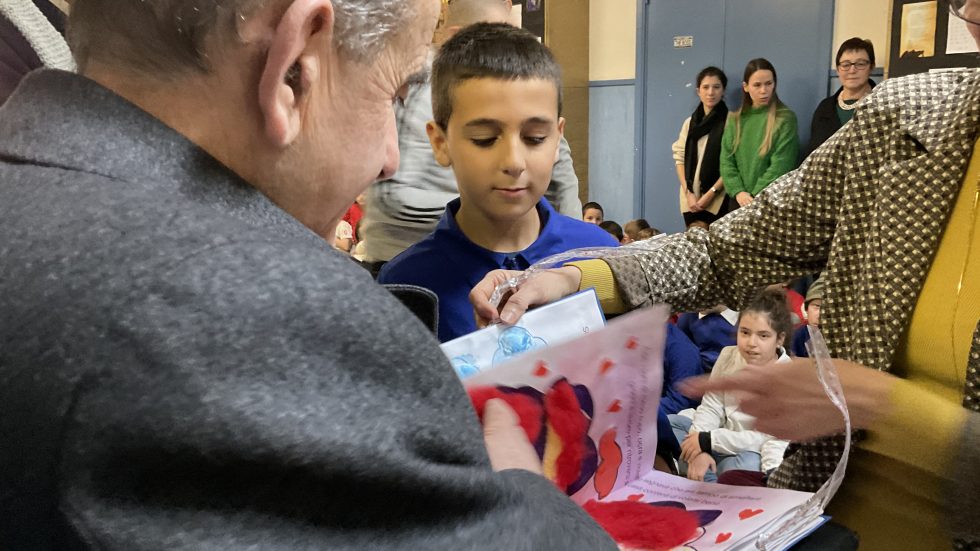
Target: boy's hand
{"type": "Point", "coordinates": [507, 443]}
{"type": "Point", "coordinates": [541, 288]}
{"type": "Point", "coordinates": [744, 198]}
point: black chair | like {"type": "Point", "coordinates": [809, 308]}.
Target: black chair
{"type": "Point", "coordinates": [420, 301]}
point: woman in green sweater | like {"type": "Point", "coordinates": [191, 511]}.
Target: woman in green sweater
{"type": "Point", "coordinates": [760, 142]}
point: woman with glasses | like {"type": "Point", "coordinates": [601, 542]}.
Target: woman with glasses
{"type": "Point", "coordinates": [855, 61]}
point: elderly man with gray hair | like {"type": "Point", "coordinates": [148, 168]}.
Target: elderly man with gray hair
{"type": "Point", "coordinates": [177, 367]}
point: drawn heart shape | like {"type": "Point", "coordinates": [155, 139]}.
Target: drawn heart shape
{"type": "Point", "coordinates": [634, 497]}
{"type": "Point", "coordinates": [615, 407]}
{"type": "Point", "coordinates": [605, 366]}
{"type": "Point", "coordinates": [722, 538]}
{"type": "Point", "coordinates": [541, 369]}
{"type": "Point", "coordinates": [632, 343]}
{"type": "Point", "coordinates": [748, 513]}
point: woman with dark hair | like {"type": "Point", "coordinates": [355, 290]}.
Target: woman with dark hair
{"type": "Point", "coordinates": [855, 61]}
{"type": "Point", "coordinates": [760, 142]}
{"type": "Point", "coordinates": [698, 149]}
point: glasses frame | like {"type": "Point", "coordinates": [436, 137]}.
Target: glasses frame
{"type": "Point", "coordinates": [956, 12]}
{"type": "Point", "coordinates": [848, 65]}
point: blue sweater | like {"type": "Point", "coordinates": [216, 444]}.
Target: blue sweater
{"type": "Point", "coordinates": [681, 360]}
{"type": "Point", "coordinates": [449, 264]}
{"type": "Point", "coordinates": [710, 334]}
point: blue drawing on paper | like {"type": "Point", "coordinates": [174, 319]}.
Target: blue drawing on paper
{"type": "Point", "coordinates": [465, 365]}
{"type": "Point", "coordinates": [514, 341]}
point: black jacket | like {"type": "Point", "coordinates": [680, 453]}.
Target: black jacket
{"type": "Point", "coordinates": [825, 122]}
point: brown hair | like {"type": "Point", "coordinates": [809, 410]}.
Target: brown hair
{"type": "Point", "coordinates": [775, 104]}
{"type": "Point", "coordinates": [488, 50]}
{"type": "Point", "coordinates": [771, 302]}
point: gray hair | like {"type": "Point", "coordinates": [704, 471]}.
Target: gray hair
{"type": "Point", "coordinates": [165, 37]}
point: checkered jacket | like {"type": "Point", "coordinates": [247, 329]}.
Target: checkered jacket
{"type": "Point", "coordinates": [867, 208]}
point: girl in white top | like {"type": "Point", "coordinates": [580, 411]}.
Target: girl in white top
{"type": "Point", "coordinates": [721, 437]}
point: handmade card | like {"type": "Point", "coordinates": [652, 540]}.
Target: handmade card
{"type": "Point", "coordinates": [568, 318]}
{"type": "Point", "coordinates": [729, 517]}
{"type": "Point", "coordinates": [589, 405]}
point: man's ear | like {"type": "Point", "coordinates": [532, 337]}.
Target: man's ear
{"type": "Point", "coordinates": [292, 66]}
{"type": "Point", "coordinates": [439, 143]}
{"type": "Point", "coordinates": [561, 132]}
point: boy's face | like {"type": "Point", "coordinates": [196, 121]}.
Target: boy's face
{"type": "Point", "coordinates": [813, 312]}
{"type": "Point", "coordinates": [592, 216]}
{"type": "Point", "coordinates": [502, 142]}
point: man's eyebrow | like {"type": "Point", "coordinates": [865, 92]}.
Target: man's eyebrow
{"type": "Point", "coordinates": [418, 77]}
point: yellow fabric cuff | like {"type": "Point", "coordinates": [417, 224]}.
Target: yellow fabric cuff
{"type": "Point", "coordinates": [922, 429]}
{"type": "Point", "coordinates": [597, 275]}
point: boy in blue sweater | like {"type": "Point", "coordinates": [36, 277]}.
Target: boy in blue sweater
{"type": "Point", "coordinates": [496, 98]}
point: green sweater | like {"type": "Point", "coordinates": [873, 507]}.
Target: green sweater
{"type": "Point", "coordinates": [745, 170]}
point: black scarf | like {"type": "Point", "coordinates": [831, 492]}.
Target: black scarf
{"type": "Point", "coordinates": [713, 126]}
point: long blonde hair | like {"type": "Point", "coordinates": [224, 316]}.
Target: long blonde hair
{"type": "Point", "coordinates": [772, 118]}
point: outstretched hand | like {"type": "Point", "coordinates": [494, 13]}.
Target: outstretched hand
{"type": "Point", "coordinates": [541, 288]}
{"type": "Point", "coordinates": [788, 401]}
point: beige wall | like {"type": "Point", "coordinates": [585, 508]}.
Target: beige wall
{"type": "Point", "coordinates": [866, 19]}
{"type": "Point", "coordinates": [612, 39]}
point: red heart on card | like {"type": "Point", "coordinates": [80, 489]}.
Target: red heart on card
{"type": "Point", "coordinates": [634, 497]}
{"type": "Point", "coordinates": [605, 366]}
{"type": "Point", "coordinates": [615, 407]}
{"type": "Point", "coordinates": [722, 538]}
{"type": "Point", "coordinates": [748, 513]}
{"type": "Point", "coordinates": [541, 369]}
{"type": "Point", "coordinates": [632, 343]}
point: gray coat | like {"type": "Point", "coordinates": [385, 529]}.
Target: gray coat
{"type": "Point", "coordinates": [185, 366]}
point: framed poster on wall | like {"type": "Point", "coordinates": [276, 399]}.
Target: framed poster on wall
{"type": "Point", "coordinates": [925, 36]}
{"type": "Point", "coordinates": [532, 17]}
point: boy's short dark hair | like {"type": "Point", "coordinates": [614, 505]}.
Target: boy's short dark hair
{"type": "Point", "coordinates": [592, 205]}
{"type": "Point", "coordinates": [488, 50]}
{"type": "Point", "coordinates": [613, 228]}
{"type": "Point", "coordinates": [856, 44]}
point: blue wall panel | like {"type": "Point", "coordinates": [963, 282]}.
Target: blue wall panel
{"type": "Point", "coordinates": [670, 95]}
{"type": "Point", "coordinates": [611, 144]}
{"type": "Point", "coordinates": [795, 35]}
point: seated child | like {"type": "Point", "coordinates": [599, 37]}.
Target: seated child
{"type": "Point", "coordinates": [592, 213]}
{"type": "Point", "coordinates": [632, 230]}
{"type": "Point", "coordinates": [814, 298]}
{"type": "Point", "coordinates": [496, 96]}
{"type": "Point", "coordinates": [720, 437]}
{"type": "Point", "coordinates": [647, 233]}
{"type": "Point", "coordinates": [613, 228]}
{"type": "Point", "coordinates": [711, 331]}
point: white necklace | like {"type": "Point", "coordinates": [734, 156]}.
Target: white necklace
{"type": "Point", "coordinates": [842, 103]}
